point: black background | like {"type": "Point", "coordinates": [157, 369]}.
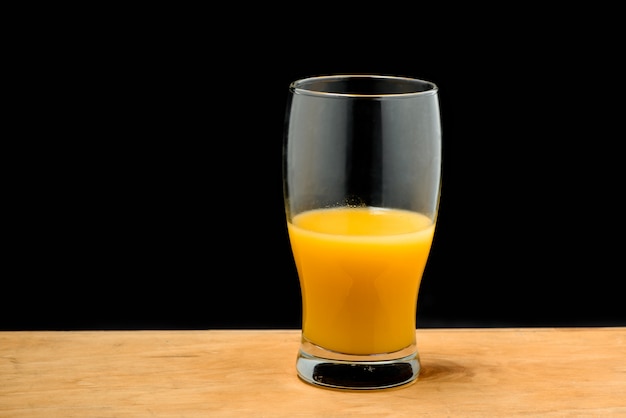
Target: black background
{"type": "Point", "coordinates": [143, 177]}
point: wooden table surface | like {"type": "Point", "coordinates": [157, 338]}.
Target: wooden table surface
{"type": "Point", "coordinates": [250, 373]}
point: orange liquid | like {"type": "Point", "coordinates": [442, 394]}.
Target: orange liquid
{"type": "Point", "coordinates": [360, 270]}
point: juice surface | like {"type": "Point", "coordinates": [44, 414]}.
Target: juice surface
{"type": "Point", "coordinates": [360, 271]}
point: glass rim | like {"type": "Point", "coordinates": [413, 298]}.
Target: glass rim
{"type": "Point", "coordinates": [422, 87]}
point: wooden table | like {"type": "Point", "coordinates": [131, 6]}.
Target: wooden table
{"type": "Point", "coordinates": [466, 372]}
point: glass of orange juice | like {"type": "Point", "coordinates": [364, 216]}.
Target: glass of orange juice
{"type": "Point", "coordinates": [361, 177]}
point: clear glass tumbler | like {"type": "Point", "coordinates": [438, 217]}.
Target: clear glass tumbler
{"type": "Point", "coordinates": [362, 177]}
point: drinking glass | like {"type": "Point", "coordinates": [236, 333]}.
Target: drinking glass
{"type": "Point", "coordinates": [361, 178]}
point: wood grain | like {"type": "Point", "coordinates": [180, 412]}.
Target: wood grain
{"type": "Point", "coordinates": [466, 372]}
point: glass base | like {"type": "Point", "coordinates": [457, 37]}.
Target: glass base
{"type": "Point", "coordinates": [321, 367]}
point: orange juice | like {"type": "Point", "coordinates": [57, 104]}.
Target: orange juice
{"type": "Point", "coordinates": [360, 270]}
